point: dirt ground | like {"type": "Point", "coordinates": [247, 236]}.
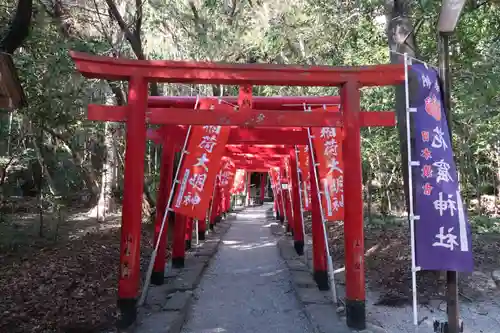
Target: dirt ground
{"type": "Point", "coordinates": [68, 284]}
{"type": "Point", "coordinates": [388, 265]}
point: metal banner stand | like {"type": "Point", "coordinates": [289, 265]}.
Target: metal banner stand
{"type": "Point", "coordinates": [147, 281]}
{"type": "Point", "coordinates": [196, 231]}
{"type": "Point", "coordinates": [411, 216]}
{"type": "Point", "coordinates": [213, 197]}
{"type": "Point", "coordinates": [329, 257]}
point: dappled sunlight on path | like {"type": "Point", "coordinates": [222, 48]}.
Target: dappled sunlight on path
{"type": "Point", "coordinates": [247, 287]}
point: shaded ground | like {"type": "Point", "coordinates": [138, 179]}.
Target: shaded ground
{"type": "Point", "coordinates": [68, 285]}
{"type": "Point", "coordinates": [388, 265]}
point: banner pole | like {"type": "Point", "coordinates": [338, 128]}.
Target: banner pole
{"type": "Point", "coordinates": [167, 209]}
{"type": "Point", "coordinates": [212, 203]}
{"type": "Point", "coordinates": [196, 230]}
{"type": "Point", "coordinates": [300, 202]}
{"type": "Point", "coordinates": [329, 257]}
{"type": "Point", "coordinates": [282, 196]}
{"type": "Point", "coordinates": [411, 215]}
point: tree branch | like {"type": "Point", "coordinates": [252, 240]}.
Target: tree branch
{"type": "Point", "coordinates": [138, 20]}
{"type": "Point", "coordinates": [19, 28]}
{"type": "Point", "coordinates": [135, 43]}
{"type": "Point", "coordinates": [134, 38]}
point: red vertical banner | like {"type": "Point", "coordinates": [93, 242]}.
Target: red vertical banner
{"type": "Point", "coordinates": [327, 143]}
{"type": "Point", "coordinates": [200, 165]}
{"type": "Point", "coordinates": [225, 178]}
{"type": "Point", "coordinates": [274, 173]}
{"type": "Point", "coordinates": [305, 186]}
{"type": "Point", "coordinates": [239, 182]}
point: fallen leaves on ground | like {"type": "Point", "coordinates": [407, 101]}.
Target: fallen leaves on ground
{"type": "Point", "coordinates": [67, 288]}
{"type": "Point", "coordinates": [388, 265]}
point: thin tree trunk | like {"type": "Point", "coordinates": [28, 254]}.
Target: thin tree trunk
{"type": "Point", "coordinates": [496, 194]}
{"type": "Point", "coordinates": [478, 191]}
{"type": "Point", "coordinates": [369, 196]}
{"type": "Point", "coordinates": [105, 203]}
{"type": "Point", "coordinates": [401, 40]}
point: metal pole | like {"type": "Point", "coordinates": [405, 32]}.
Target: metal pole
{"type": "Point", "coordinates": [452, 309]}
{"type": "Point", "coordinates": [167, 209]}
{"type": "Point", "coordinates": [411, 213]}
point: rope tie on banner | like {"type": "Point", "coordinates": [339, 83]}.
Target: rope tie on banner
{"type": "Point", "coordinates": [331, 274]}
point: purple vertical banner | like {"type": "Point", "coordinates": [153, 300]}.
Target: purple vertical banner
{"type": "Point", "coordinates": [442, 234]}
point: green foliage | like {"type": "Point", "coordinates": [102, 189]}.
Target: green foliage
{"type": "Point", "coordinates": [283, 31]}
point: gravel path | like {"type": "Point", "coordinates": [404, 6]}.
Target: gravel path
{"type": "Point", "coordinates": [247, 287]}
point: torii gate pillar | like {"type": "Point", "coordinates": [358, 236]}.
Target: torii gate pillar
{"type": "Point", "coordinates": [263, 182]}
{"type": "Point", "coordinates": [353, 198]}
{"type": "Point", "coordinates": [128, 283]}
{"type": "Point", "coordinates": [164, 188]}
{"type": "Point", "coordinates": [298, 225]}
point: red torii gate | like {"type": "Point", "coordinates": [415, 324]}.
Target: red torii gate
{"type": "Point", "coordinates": [139, 72]}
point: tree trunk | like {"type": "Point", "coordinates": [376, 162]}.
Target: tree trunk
{"type": "Point", "coordinates": [496, 191]}
{"type": "Point", "coordinates": [401, 40]}
{"type": "Point", "coordinates": [478, 191]}
{"type": "Point", "coordinates": [19, 27]}
{"type": "Point", "coordinates": [369, 197]}
{"type": "Point", "coordinates": [106, 202]}
{"type": "Point", "coordinates": [90, 176]}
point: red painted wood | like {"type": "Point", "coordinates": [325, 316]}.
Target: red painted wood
{"type": "Point", "coordinates": [272, 150]}
{"type": "Point", "coordinates": [267, 136]}
{"type": "Point", "coordinates": [128, 283]}
{"type": "Point", "coordinates": [221, 116]}
{"type": "Point", "coordinates": [252, 118]}
{"type": "Point", "coordinates": [178, 246]}
{"type": "Point", "coordinates": [287, 198]}
{"type": "Point", "coordinates": [319, 248]}
{"type": "Point", "coordinates": [164, 188]}
{"type": "Point", "coordinates": [263, 183]}
{"type": "Point", "coordinates": [297, 211]}
{"type": "Point", "coordinates": [110, 68]}
{"type": "Point", "coordinates": [295, 103]}
{"type": "Point", "coordinates": [353, 226]}
{"type": "Point", "coordinates": [189, 229]}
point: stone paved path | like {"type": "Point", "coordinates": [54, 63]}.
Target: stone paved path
{"type": "Point", "coordinates": [247, 286]}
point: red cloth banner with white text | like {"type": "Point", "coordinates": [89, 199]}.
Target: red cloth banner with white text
{"type": "Point", "coordinates": [225, 179]}
{"type": "Point", "coordinates": [274, 176]}
{"type": "Point", "coordinates": [200, 165]}
{"type": "Point", "coordinates": [239, 182]}
{"type": "Point", "coordinates": [305, 186]}
{"type": "Point", "coordinates": [327, 142]}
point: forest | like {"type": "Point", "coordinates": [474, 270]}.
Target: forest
{"type": "Point", "coordinates": [61, 176]}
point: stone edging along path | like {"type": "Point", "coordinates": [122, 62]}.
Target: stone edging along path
{"type": "Point", "coordinates": [167, 306]}
{"type": "Point", "coordinates": [318, 305]}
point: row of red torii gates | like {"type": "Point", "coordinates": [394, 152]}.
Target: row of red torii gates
{"type": "Point", "coordinates": [281, 122]}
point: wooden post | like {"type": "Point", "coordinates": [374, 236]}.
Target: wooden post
{"type": "Point", "coordinates": [320, 264]}
{"type": "Point", "coordinates": [166, 175]}
{"type": "Point", "coordinates": [263, 181]}
{"type": "Point", "coordinates": [178, 247]}
{"type": "Point", "coordinates": [353, 224]}
{"type": "Point", "coordinates": [189, 234]}
{"type": "Point", "coordinates": [128, 283]}
{"type": "Point", "coordinates": [298, 225]}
